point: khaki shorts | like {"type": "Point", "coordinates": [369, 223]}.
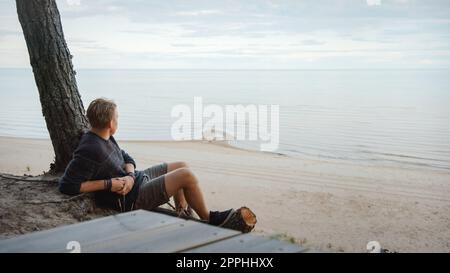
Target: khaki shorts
{"type": "Point", "coordinates": [152, 192]}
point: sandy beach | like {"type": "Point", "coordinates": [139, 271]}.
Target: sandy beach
{"type": "Point", "coordinates": [321, 204]}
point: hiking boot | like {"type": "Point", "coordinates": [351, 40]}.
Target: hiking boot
{"type": "Point", "coordinates": [220, 218]}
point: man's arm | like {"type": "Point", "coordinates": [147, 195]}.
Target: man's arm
{"type": "Point", "coordinates": [129, 168]}
{"type": "Point", "coordinates": [118, 184]}
{"type": "Point", "coordinates": [128, 160]}
{"type": "Point", "coordinates": [94, 185]}
{"type": "Point", "coordinates": [76, 178]}
{"type": "Point", "coordinates": [129, 179]}
{"type": "Point", "coordinates": [78, 170]}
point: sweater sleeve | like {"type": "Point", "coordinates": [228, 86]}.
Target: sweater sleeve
{"type": "Point", "coordinates": [79, 169]}
{"type": "Point", "coordinates": [128, 159]}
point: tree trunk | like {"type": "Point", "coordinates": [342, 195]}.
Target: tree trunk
{"type": "Point", "coordinates": [54, 75]}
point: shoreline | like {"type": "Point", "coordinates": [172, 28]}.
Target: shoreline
{"type": "Point", "coordinates": [321, 204]}
{"type": "Point", "coordinates": [223, 143]}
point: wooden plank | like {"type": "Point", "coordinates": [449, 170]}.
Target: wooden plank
{"type": "Point", "coordinates": [276, 246]}
{"type": "Point", "coordinates": [248, 243]}
{"type": "Point", "coordinates": [309, 250]}
{"type": "Point", "coordinates": [144, 231]}
{"type": "Point", "coordinates": [56, 239]}
{"type": "Point", "coordinates": [170, 238]}
{"type": "Point", "coordinates": [235, 244]}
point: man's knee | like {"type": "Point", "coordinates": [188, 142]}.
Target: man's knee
{"type": "Point", "coordinates": [187, 176]}
{"type": "Point", "coordinates": [177, 165]}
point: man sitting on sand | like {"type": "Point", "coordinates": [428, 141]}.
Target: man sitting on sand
{"type": "Point", "coordinates": [99, 165]}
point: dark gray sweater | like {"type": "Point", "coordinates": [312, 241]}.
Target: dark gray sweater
{"type": "Point", "coordinates": [95, 159]}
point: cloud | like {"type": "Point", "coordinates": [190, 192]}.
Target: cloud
{"type": "Point", "coordinates": [197, 12]}
{"type": "Point", "coordinates": [86, 45]}
{"type": "Point", "coordinates": [373, 2]}
{"type": "Point", "coordinates": [312, 42]}
{"type": "Point", "coordinates": [182, 45]}
{"type": "Point", "coordinates": [245, 33]}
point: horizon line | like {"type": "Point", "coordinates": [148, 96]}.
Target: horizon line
{"type": "Point", "coordinates": [245, 69]}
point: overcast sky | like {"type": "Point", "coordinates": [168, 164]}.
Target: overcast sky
{"type": "Point", "coordinates": [245, 34]}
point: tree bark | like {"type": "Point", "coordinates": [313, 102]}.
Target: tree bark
{"type": "Point", "coordinates": [53, 71]}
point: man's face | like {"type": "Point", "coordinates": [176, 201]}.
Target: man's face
{"type": "Point", "coordinates": [115, 122]}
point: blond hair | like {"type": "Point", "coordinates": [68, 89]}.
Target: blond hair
{"type": "Point", "coordinates": [100, 112]}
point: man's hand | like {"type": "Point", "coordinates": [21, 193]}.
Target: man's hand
{"type": "Point", "coordinates": [124, 185]}
{"type": "Point", "coordinates": [118, 184]}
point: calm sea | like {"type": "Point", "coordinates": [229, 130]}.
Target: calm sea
{"type": "Point", "coordinates": [386, 117]}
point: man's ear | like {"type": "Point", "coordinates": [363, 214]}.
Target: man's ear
{"type": "Point", "coordinates": [111, 124]}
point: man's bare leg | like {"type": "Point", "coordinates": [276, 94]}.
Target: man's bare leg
{"type": "Point", "coordinates": [179, 198]}
{"type": "Point", "coordinates": [184, 179]}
